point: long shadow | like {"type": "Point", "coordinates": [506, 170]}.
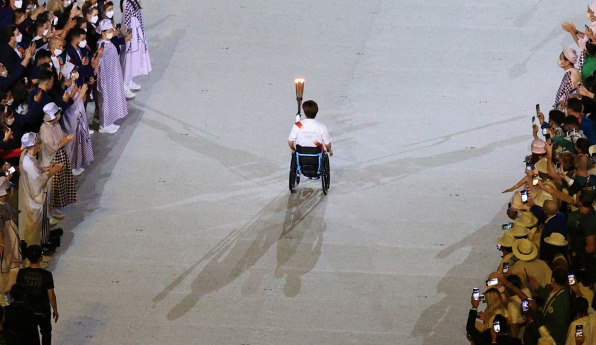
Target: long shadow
{"type": "Point", "coordinates": [439, 322]}
{"type": "Point", "coordinates": [239, 251]}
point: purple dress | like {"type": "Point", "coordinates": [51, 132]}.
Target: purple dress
{"type": "Point", "coordinates": [110, 86]}
{"type": "Point", "coordinates": [136, 55]}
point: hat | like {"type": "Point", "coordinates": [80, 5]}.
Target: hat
{"type": "Point", "coordinates": [28, 139]}
{"type": "Point", "coordinates": [592, 149]}
{"type": "Point", "coordinates": [518, 231]}
{"type": "Point", "coordinates": [539, 196]}
{"type": "Point", "coordinates": [538, 146]}
{"type": "Point", "coordinates": [105, 24]}
{"type": "Point", "coordinates": [50, 110]}
{"type": "Point", "coordinates": [556, 239]}
{"type": "Point", "coordinates": [506, 240]}
{"type": "Point", "coordinates": [526, 220]}
{"type": "Point", "coordinates": [67, 69]}
{"type": "Point", "coordinates": [592, 6]}
{"type": "Point", "coordinates": [517, 203]}
{"type": "Point", "coordinates": [525, 250]}
{"type": "Point", "coordinates": [4, 185]}
{"type": "Point", "coordinates": [570, 55]}
{"type": "Point", "coordinates": [542, 166]}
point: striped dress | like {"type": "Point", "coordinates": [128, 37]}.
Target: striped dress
{"type": "Point", "coordinates": [136, 58]}
{"type": "Point", "coordinates": [62, 190]}
{"type": "Point", "coordinates": [110, 86]}
{"type": "Point", "coordinates": [74, 121]}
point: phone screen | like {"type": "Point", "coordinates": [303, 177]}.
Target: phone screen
{"type": "Point", "coordinates": [544, 131]}
{"type": "Point", "coordinates": [497, 326]}
{"type": "Point", "coordinates": [476, 293]}
{"type": "Point", "coordinates": [524, 196]}
{"type": "Point", "coordinates": [505, 268]}
{"type": "Point", "coordinates": [525, 306]}
{"type": "Point", "coordinates": [535, 180]}
{"type": "Point", "coordinates": [506, 226]}
{"type": "Point", "coordinates": [579, 330]}
{"type": "Point", "coordinates": [558, 167]}
{"type": "Point", "coordinates": [571, 278]}
{"type": "Point", "coordinates": [492, 282]}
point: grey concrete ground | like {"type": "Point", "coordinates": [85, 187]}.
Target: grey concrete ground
{"type": "Point", "coordinates": [185, 232]}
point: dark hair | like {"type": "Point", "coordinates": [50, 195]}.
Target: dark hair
{"type": "Point", "coordinates": [560, 276]}
{"type": "Point", "coordinates": [36, 26]}
{"type": "Point", "coordinates": [34, 253]}
{"type": "Point", "coordinates": [575, 105]}
{"type": "Point", "coordinates": [75, 33]}
{"type": "Point", "coordinates": [310, 109]}
{"type": "Point", "coordinates": [17, 292]}
{"type": "Point", "coordinates": [45, 75]}
{"type": "Point", "coordinates": [8, 32]}
{"type": "Point", "coordinates": [581, 305]}
{"type": "Point", "coordinates": [586, 198]}
{"type": "Point", "coordinates": [571, 120]}
{"type": "Point", "coordinates": [590, 48]}
{"type": "Point", "coordinates": [43, 54]}
{"type": "Point", "coordinates": [582, 145]}
{"type": "Point", "coordinates": [589, 83]}
{"type": "Point", "coordinates": [557, 116]}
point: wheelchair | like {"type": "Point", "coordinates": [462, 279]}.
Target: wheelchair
{"type": "Point", "coordinates": [312, 162]}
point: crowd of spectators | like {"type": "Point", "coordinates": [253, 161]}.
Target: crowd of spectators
{"type": "Point", "coordinates": [66, 71]}
{"type": "Point", "coordinates": [542, 290]}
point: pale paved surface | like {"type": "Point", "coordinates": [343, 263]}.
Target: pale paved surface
{"type": "Point", "coordinates": [185, 232]}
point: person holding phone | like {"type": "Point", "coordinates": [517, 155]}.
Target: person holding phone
{"type": "Point", "coordinates": [136, 59]}
{"type": "Point", "coordinates": [499, 334]}
{"type": "Point", "coordinates": [556, 309]}
{"type": "Point", "coordinates": [582, 322]}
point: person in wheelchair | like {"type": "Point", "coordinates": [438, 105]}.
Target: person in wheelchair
{"type": "Point", "coordinates": [310, 142]}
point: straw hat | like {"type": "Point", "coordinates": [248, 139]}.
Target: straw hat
{"type": "Point", "coordinates": [518, 231]}
{"type": "Point", "coordinates": [525, 250]}
{"type": "Point", "coordinates": [506, 240]}
{"type": "Point", "coordinates": [517, 204]}
{"type": "Point", "coordinates": [526, 219]}
{"type": "Point", "coordinates": [556, 239]}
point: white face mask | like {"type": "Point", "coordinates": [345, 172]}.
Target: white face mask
{"type": "Point", "coordinates": [4, 74]}
{"type": "Point", "coordinates": [110, 14]}
{"type": "Point", "coordinates": [109, 35]}
{"type": "Point", "coordinates": [45, 32]}
{"type": "Point", "coordinates": [94, 19]}
{"type": "Point", "coordinates": [57, 52]}
{"type": "Point", "coordinates": [82, 44]}
{"type": "Point", "coordinates": [51, 64]}
{"type": "Point", "coordinates": [74, 76]}
{"type": "Point", "coordinates": [18, 3]}
{"type": "Point", "coordinates": [67, 3]}
{"type": "Point", "coordinates": [10, 121]}
{"type": "Point", "coordinates": [55, 21]}
{"type": "Point", "coordinates": [19, 38]}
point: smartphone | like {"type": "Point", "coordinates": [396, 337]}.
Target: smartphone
{"type": "Point", "coordinates": [499, 246]}
{"type": "Point", "coordinates": [593, 158]}
{"type": "Point", "coordinates": [492, 282]}
{"type": "Point", "coordinates": [579, 330]}
{"type": "Point", "coordinates": [533, 119]}
{"type": "Point", "coordinates": [537, 108]}
{"type": "Point", "coordinates": [103, 44]}
{"type": "Point", "coordinates": [482, 298]}
{"type": "Point", "coordinates": [506, 226]}
{"type": "Point", "coordinates": [573, 92]}
{"type": "Point", "coordinates": [571, 278]}
{"type": "Point", "coordinates": [535, 180]}
{"type": "Point", "coordinates": [544, 131]}
{"type": "Point", "coordinates": [558, 167]}
{"type": "Point", "coordinates": [11, 170]}
{"type": "Point", "coordinates": [524, 196]}
{"type": "Point", "coordinates": [529, 166]}
{"type": "Point", "coordinates": [476, 294]}
{"type": "Point", "coordinates": [525, 305]}
{"type": "Point", "coordinates": [497, 326]}
{"type": "Point", "coordinates": [505, 268]}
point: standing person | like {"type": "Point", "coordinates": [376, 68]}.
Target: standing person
{"type": "Point", "coordinates": [10, 242]}
{"type": "Point", "coordinates": [34, 225]}
{"type": "Point", "coordinates": [136, 58]}
{"type": "Point", "coordinates": [74, 121]}
{"type": "Point", "coordinates": [110, 83]}
{"type": "Point", "coordinates": [39, 293]}
{"type": "Point", "coordinates": [571, 78]}
{"type": "Point", "coordinates": [19, 324]}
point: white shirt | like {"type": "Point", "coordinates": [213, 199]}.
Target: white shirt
{"type": "Point", "coordinates": [309, 133]}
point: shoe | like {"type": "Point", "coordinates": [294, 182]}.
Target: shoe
{"type": "Point", "coordinates": [111, 129]}
{"type": "Point", "coordinates": [77, 172]}
{"type": "Point", "coordinates": [129, 94]}
{"type": "Point", "coordinates": [56, 232]}
{"type": "Point", "coordinates": [48, 249]}
{"type": "Point", "coordinates": [58, 216]}
{"type": "Point", "coordinates": [53, 221]}
{"type": "Point", "coordinates": [90, 131]}
{"type": "Point", "coordinates": [132, 86]}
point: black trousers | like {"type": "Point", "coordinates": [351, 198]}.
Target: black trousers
{"type": "Point", "coordinates": [44, 322]}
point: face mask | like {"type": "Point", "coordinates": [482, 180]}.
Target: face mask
{"type": "Point", "coordinates": [5, 74]}
{"type": "Point", "coordinates": [74, 76]}
{"type": "Point", "coordinates": [67, 3]}
{"type": "Point", "coordinates": [109, 35]}
{"type": "Point", "coordinates": [94, 19]}
{"type": "Point", "coordinates": [18, 3]}
{"type": "Point", "coordinates": [110, 14]}
{"type": "Point", "coordinates": [19, 38]}
{"type": "Point", "coordinates": [10, 121]}
{"type": "Point", "coordinates": [45, 32]}
{"type": "Point", "coordinates": [57, 52]}
{"type": "Point", "coordinates": [51, 64]}
{"type": "Point", "coordinates": [55, 21]}
{"type": "Point", "coordinates": [82, 44]}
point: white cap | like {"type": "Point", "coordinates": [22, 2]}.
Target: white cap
{"type": "Point", "coordinates": [4, 185]}
{"type": "Point", "coordinates": [105, 24]}
{"type": "Point", "coordinates": [28, 139]}
{"type": "Point", "coordinates": [50, 110]}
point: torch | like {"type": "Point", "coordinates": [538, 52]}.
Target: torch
{"type": "Point", "coordinates": [299, 92]}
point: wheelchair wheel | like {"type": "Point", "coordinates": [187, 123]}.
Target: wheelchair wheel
{"type": "Point", "coordinates": [293, 172]}
{"type": "Point", "coordinates": [326, 178]}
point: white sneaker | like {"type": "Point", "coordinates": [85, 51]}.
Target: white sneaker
{"type": "Point", "coordinates": [111, 129]}
{"type": "Point", "coordinates": [77, 172]}
{"type": "Point", "coordinates": [129, 94]}
{"type": "Point", "coordinates": [90, 131]}
{"type": "Point", "coordinates": [133, 86]}
{"type": "Point", "coordinates": [53, 221]}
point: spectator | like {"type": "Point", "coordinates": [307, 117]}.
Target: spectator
{"type": "Point", "coordinates": [20, 325]}
{"type": "Point", "coordinates": [571, 78]}
{"type": "Point", "coordinates": [583, 319]}
{"type": "Point", "coordinates": [136, 60]}
{"type": "Point", "coordinates": [529, 264]}
{"type": "Point", "coordinates": [10, 243]}
{"type": "Point", "coordinates": [556, 309]}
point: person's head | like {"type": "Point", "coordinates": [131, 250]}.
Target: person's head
{"type": "Point", "coordinates": [567, 58]}
{"type": "Point", "coordinates": [107, 10]}
{"type": "Point", "coordinates": [559, 278]}
{"type": "Point", "coordinates": [56, 45]}
{"type": "Point", "coordinates": [91, 13]}
{"type": "Point", "coordinates": [550, 207]}
{"type": "Point", "coordinates": [590, 83]}
{"type": "Point", "coordinates": [585, 199]}
{"type": "Point", "coordinates": [555, 118]}
{"type": "Point", "coordinates": [19, 16]}
{"type": "Point", "coordinates": [31, 142]}
{"type": "Point", "coordinates": [17, 292]}
{"type": "Point", "coordinates": [570, 123]}
{"type": "Point", "coordinates": [41, 28]}
{"type": "Point", "coordinates": [51, 113]}
{"type": "Point", "coordinates": [11, 35]}
{"type": "Point", "coordinates": [310, 109]}
{"type": "Point", "coordinates": [43, 56]}
{"type": "Point", "coordinates": [581, 306]}
{"type": "Point", "coordinates": [575, 107]}
{"type": "Point", "coordinates": [15, 4]}
{"type": "Point", "coordinates": [46, 80]}
{"type": "Point", "coordinates": [582, 145]}
{"type": "Point", "coordinates": [590, 14]}
{"type": "Point", "coordinates": [77, 35]}
{"type": "Point", "coordinates": [582, 163]}
{"type": "Point", "coordinates": [567, 160]}
{"type": "Point", "coordinates": [107, 29]}
{"type": "Point", "coordinates": [34, 253]}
